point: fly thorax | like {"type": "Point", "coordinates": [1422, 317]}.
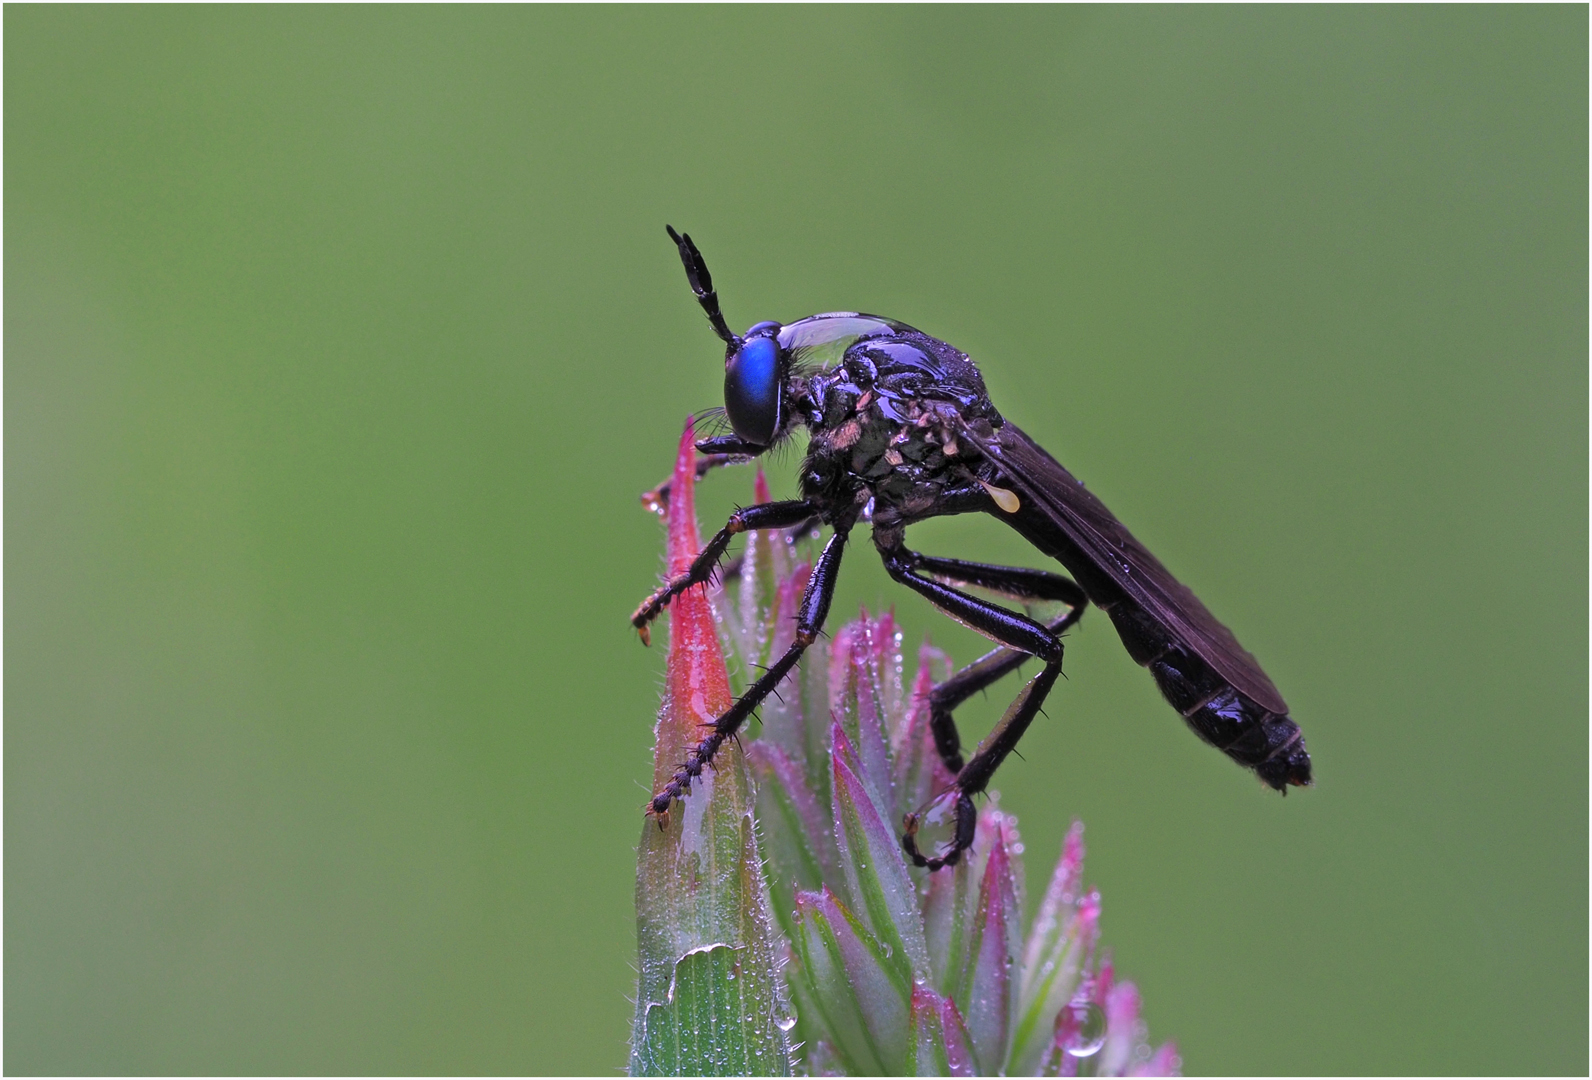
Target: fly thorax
{"type": "Point", "coordinates": [904, 450]}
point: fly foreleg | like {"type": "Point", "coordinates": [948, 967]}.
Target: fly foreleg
{"type": "Point", "coordinates": [1021, 637]}
{"type": "Point", "coordinates": [774, 515]}
{"type": "Point", "coordinates": [658, 498]}
{"type": "Point", "coordinates": [810, 618]}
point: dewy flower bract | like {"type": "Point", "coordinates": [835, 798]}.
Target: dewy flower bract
{"type": "Point", "coordinates": [710, 999]}
{"type": "Point", "coordinates": [781, 929]}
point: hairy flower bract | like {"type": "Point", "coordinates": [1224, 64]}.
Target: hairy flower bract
{"type": "Point", "coordinates": [782, 929]}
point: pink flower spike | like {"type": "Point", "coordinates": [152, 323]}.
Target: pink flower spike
{"type": "Point", "coordinates": [876, 872]}
{"type": "Point", "coordinates": [790, 594]}
{"type": "Point", "coordinates": [958, 1047]}
{"type": "Point", "coordinates": [696, 680]}
{"type": "Point", "coordinates": [863, 1007]}
{"type": "Point", "coordinates": [1164, 1062]}
{"type": "Point", "coordinates": [864, 708]}
{"type": "Point", "coordinates": [840, 669]}
{"type": "Point", "coordinates": [1088, 934]}
{"type": "Point", "coordinates": [1069, 871]}
{"type": "Point", "coordinates": [995, 937]}
{"type": "Point", "coordinates": [1056, 966]}
{"type": "Point", "coordinates": [692, 929]}
{"type": "Point", "coordinates": [684, 542]}
{"type": "Point", "coordinates": [1122, 1022]}
{"type": "Point", "coordinates": [942, 1041]}
{"type": "Point", "coordinates": [919, 774]}
{"type": "Point", "coordinates": [1108, 970]}
{"type": "Point", "coordinates": [936, 663]}
{"type": "Point", "coordinates": [862, 963]}
{"type": "Point", "coordinates": [841, 748]}
{"type": "Point", "coordinates": [791, 819]}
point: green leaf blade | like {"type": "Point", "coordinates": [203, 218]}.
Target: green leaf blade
{"type": "Point", "coordinates": [699, 1031]}
{"type": "Point", "coordinates": [702, 904]}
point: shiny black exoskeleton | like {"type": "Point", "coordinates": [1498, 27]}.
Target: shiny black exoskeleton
{"type": "Point", "coordinates": [901, 430]}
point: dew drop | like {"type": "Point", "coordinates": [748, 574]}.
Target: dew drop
{"type": "Point", "coordinates": [933, 825]}
{"type": "Point", "coordinates": [1088, 1029]}
{"type": "Point", "coordinates": [784, 1023]}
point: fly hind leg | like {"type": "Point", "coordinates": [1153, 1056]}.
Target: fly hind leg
{"type": "Point", "coordinates": [1017, 583]}
{"type": "Point", "coordinates": [1020, 637]}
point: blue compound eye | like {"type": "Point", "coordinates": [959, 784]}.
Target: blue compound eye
{"type": "Point", "coordinates": [752, 385]}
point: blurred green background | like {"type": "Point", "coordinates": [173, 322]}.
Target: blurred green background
{"type": "Point", "coordinates": [340, 341]}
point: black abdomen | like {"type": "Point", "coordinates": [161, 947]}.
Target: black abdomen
{"type": "Point", "coordinates": [1254, 737]}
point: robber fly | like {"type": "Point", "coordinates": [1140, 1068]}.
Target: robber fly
{"type": "Point", "coordinates": [901, 430]}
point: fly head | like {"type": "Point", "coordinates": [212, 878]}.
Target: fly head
{"type": "Point", "coordinates": [755, 365]}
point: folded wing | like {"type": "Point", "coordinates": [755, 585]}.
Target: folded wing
{"type": "Point", "coordinates": [1106, 541]}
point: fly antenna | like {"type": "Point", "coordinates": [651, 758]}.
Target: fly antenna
{"type": "Point", "coordinates": [696, 272]}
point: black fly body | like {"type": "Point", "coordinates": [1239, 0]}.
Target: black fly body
{"type": "Point", "coordinates": [901, 430]}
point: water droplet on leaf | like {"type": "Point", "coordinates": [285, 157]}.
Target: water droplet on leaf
{"type": "Point", "coordinates": [933, 826]}
{"type": "Point", "coordinates": [1087, 1022]}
